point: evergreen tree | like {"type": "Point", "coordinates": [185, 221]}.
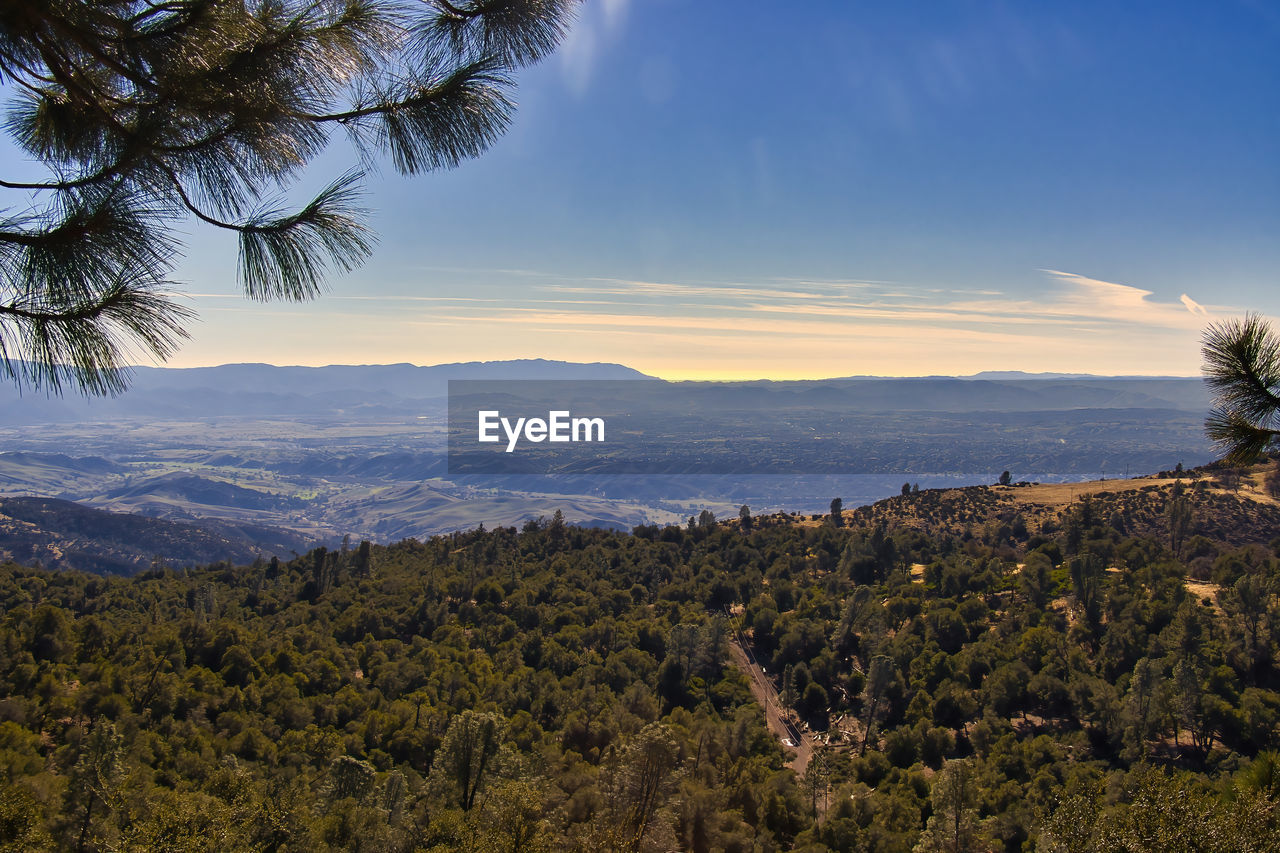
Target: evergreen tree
{"type": "Point", "coordinates": [953, 826]}
{"type": "Point", "coordinates": [1242, 367]}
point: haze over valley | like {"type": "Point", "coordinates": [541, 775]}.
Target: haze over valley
{"type": "Point", "coordinates": [289, 457]}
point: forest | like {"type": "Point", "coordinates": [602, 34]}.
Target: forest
{"type": "Point", "coordinates": [972, 675]}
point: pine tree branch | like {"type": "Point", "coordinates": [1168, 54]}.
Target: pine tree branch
{"type": "Point", "coordinates": [81, 341]}
{"type": "Point", "coordinates": [145, 112]}
{"type": "Point", "coordinates": [1242, 363]}
{"type": "Point", "coordinates": [194, 209]}
{"type": "Point", "coordinates": [280, 253]}
{"type": "Point", "coordinates": [106, 173]}
{"type": "Point", "coordinates": [86, 239]}
{"type": "Point", "coordinates": [66, 33]}
{"type": "Point", "coordinates": [438, 124]}
{"type": "Point", "coordinates": [519, 32]}
{"type": "Point", "coordinates": [454, 10]}
{"type": "Point", "coordinates": [1243, 442]}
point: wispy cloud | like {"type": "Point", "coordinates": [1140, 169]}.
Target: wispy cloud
{"type": "Point", "coordinates": [1075, 302]}
{"type": "Point", "coordinates": [381, 297]}
{"type": "Point", "coordinates": [785, 327]}
{"type": "Point", "coordinates": [391, 298]}
{"type": "Point", "coordinates": [1193, 306]}
{"type": "Point", "coordinates": [619, 287]}
{"type": "Point", "coordinates": [1106, 300]}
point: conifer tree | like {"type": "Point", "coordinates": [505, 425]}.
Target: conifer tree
{"type": "Point", "coordinates": [1242, 367]}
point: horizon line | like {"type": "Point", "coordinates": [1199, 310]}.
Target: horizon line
{"type": "Point", "coordinates": [981, 374]}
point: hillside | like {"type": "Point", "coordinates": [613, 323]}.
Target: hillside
{"type": "Point", "coordinates": [985, 669]}
{"type": "Point", "coordinates": [1227, 507]}
{"type": "Point", "coordinates": [67, 536]}
{"type": "Point", "coordinates": [360, 451]}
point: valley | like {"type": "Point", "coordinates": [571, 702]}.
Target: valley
{"type": "Point", "coordinates": [287, 449]}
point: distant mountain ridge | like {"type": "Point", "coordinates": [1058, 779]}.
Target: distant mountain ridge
{"type": "Point", "coordinates": [1020, 374]}
{"type": "Point", "coordinates": [956, 394]}
{"type": "Point", "coordinates": [360, 449]}
{"type": "Point", "coordinates": [405, 379]}
{"type": "Point", "coordinates": [364, 392]}
{"type": "Point", "coordinates": [266, 390]}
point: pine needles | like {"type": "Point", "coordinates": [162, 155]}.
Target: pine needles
{"type": "Point", "coordinates": [1242, 366]}
{"type": "Point", "coordinates": [147, 114]}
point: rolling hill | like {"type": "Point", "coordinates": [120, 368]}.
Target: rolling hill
{"type": "Point", "coordinates": [64, 535]}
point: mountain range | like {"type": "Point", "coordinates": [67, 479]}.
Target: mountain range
{"type": "Point", "coordinates": [265, 390]}
{"type": "Point", "coordinates": [305, 455]}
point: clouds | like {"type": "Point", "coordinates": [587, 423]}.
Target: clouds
{"type": "Point", "coordinates": [1108, 301]}
{"type": "Point", "coordinates": [1070, 302]}
{"type": "Point", "coordinates": [779, 327]}
{"type": "Point", "coordinates": [1193, 306]}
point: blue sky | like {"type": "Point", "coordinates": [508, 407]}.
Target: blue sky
{"type": "Point", "coordinates": [713, 189]}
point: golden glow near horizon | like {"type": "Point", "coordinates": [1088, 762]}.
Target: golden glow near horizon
{"type": "Point", "coordinates": [794, 329]}
{"type": "Point", "coordinates": [935, 195]}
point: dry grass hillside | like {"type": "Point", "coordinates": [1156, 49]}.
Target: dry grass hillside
{"type": "Point", "coordinates": [1227, 505]}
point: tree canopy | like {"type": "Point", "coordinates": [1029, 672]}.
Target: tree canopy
{"type": "Point", "coordinates": [961, 678]}
{"type": "Point", "coordinates": [142, 115]}
{"type": "Point", "coordinates": [1242, 366]}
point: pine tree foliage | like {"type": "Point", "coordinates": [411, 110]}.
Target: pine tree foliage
{"type": "Point", "coordinates": [1242, 367]}
{"type": "Point", "coordinates": [571, 690]}
{"type": "Point", "coordinates": [142, 115]}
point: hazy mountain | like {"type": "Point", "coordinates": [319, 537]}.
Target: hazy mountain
{"type": "Point", "coordinates": [54, 473]}
{"type": "Point", "coordinates": [359, 449]}
{"type": "Point", "coordinates": [405, 390]}
{"type": "Point", "coordinates": [1022, 374]}
{"type": "Point", "coordinates": [264, 390]}
{"type": "Point", "coordinates": [950, 394]}
{"type": "Point", "coordinates": [190, 488]}
{"type": "Point", "coordinates": [65, 535]}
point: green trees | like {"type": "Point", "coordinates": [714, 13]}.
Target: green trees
{"type": "Point", "coordinates": [875, 693]}
{"type": "Point", "coordinates": [21, 821]}
{"type": "Point", "coordinates": [466, 753]}
{"type": "Point", "coordinates": [1178, 516]}
{"type": "Point", "coordinates": [485, 691]}
{"type": "Point", "coordinates": [144, 115]}
{"type": "Point", "coordinates": [1242, 366]}
{"type": "Point", "coordinates": [1161, 812]}
{"type": "Point", "coordinates": [953, 826]}
{"type": "Point", "coordinates": [1035, 580]}
{"type": "Point", "coordinates": [1086, 579]}
{"type": "Point", "coordinates": [95, 779]}
{"type": "Point", "coordinates": [388, 711]}
{"type": "Point", "coordinates": [1249, 602]}
{"type": "Point", "coordinates": [1146, 695]}
{"type": "Point", "coordinates": [638, 787]}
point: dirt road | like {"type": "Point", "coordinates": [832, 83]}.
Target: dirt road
{"type": "Point", "coordinates": [762, 690]}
